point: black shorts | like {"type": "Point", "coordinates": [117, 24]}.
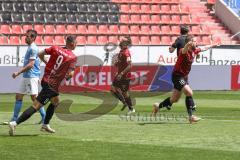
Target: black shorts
{"type": "Point", "coordinates": [123, 84]}
{"type": "Point", "coordinates": [46, 93]}
{"type": "Point", "coordinates": [179, 81]}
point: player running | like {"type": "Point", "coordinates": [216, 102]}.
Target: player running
{"type": "Point", "coordinates": [179, 44]}
{"type": "Point", "coordinates": [121, 82]}
{"type": "Point", "coordinates": [60, 65]}
{"type": "Point", "coordinates": [31, 73]}
{"type": "Point", "coordinates": [180, 72]}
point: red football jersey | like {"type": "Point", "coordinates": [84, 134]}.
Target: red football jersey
{"type": "Point", "coordinates": [184, 62]}
{"type": "Point", "coordinates": [61, 61]}
{"type": "Point", "coordinates": [123, 57]}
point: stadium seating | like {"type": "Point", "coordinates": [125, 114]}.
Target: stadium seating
{"type": "Point", "coordinates": [96, 21]}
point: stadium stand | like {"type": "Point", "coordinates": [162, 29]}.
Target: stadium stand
{"type": "Point", "coordinates": [98, 21]}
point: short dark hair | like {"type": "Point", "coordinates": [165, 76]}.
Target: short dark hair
{"type": "Point", "coordinates": [33, 33]}
{"type": "Point", "coordinates": [188, 38]}
{"type": "Point", "coordinates": [71, 39]}
{"type": "Point", "coordinates": [184, 29]}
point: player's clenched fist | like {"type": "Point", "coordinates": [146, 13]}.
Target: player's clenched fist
{"type": "Point", "coordinates": [15, 74]}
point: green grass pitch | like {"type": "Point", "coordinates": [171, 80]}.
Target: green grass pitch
{"type": "Point", "coordinates": [116, 137]}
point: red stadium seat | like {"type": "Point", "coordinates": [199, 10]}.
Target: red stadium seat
{"type": "Point", "coordinates": [217, 40]}
{"type": "Point", "coordinates": [155, 19]}
{"type": "Point", "coordinates": [145, 29]}
{"type": "Point", "coordinates": [173, 38]}
{"type": "Point", "coordinates": [165, 9]}
{"type": "Point", "coordinates": [113, 39]}
{"type": "Point", "coordinates": [135, 8]}
{"type": "Point", "coordinates": [14, 40]}
{"type": "Point", "coordinates": [195, 30]}
{"type": "Point", "coordinates": [135, 18]}
{"type": "Point", "coordinates": [92, 29]}
{"type": "Point", "coordinates": [81, 40]}
{"type": "Point", "coordinates": [166, 40]}
{"type": "Point", "coordinates": [71, 29]}
{"type": "Point", "coordinates": [39, 28]}
{"type": "Point", "coordinates": [124, 18]}
{"type": "Point", "coordinates": [134, 29]}
{"type": "Point", "coordinates": [195, 20]}
{"type": "Point", "coordinates": [155, 40]}
{"type": "Point", "coordinates": [176, 19]}
{"type": "Point", "coordinates": [175, 9]}
{"type": "Point", "coordinates": [145, 18]}
{"type": "Point", "coordinates": [124, 29]}
{"type": "Point", "coordinates": [5, 29]}
{"type": "Point", "coordinates": [82, 29]}
{"type": "Point", "coordinates": [16, 29]}
{"type": "Point", "coordinates": [145, 8]}
{"type": "Point", "coordinates": [113, 29]}
{"type": "Point", "coordinates": [206, 30]}
{"type": "Point", "coordinates": [175, 30]}
{"type": "Point", "coordinates": [211, 2]}
{"type": "Point", "coordinates": [91, 40]}
{"type": "Point", "coordinates": [3, 40]}
{"type": "Point", "coordinates": [39, 40]}
{"type": "Point", "coordinates": [155, 8]}
{"type": "Point", "coordinates": [124, 8]}
{"type": "Point", "coordinates": [206, 40]}
{"type": "Point", "coordinates": [26, 27]}
{"type": "Point", "coordinates": [102, 39]}
{"type": "Point", "coordinates": [59, 40]}
{"type": "Point", "coordinates": [48, 40]}
{"type": "Point", "coordinates": [135, 40]}
{"type": "Point", "coordinates": [49, 29]}
{"type": "Point", "coordinates": [185, 19]}
{"type": "Point", "coordinates": [155, 29]}
{"type": "Point", "coordinates": [145, 40]}
{"type": "Point", "coordinates": [199, 40]}
{"type": "Point", "coordinates": [60, 29]}
{"type": "Point", "coordinates": [165, 19]}
{"type": "Point", "coordinates": [185, 9]}
{"type": "Point", "coordinates": [176, 1]}
{"type": "Point", "coordinates": [23, 42]}
{"type": "Point", "coordinates": [165, 29]}
{"type": "Point", "coordinates": [102, 29]}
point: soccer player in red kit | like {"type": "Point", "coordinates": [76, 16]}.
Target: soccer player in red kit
{"type": "Point", "coordinates": [60, 65]}
{"type": "Point", "coordinates": [179, 78]}
{"type": "Point", "coordinates": [121, 82]}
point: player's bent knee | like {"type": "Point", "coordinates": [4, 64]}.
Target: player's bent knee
{"type": "Point", "coordinates": [37, 105]}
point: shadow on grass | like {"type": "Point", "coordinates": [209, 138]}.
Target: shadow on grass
{"type": "Point", "coordinates": [162, 123]}
{"type": "Point", "coordinates": [20, 135]}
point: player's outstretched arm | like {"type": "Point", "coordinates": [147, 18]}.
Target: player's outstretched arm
{"type": "Point", "coordinates": [41, 55]}
{"type": "Point", "coordinates": [25, 68]}
{"type": "Point", "coordinates": [207, 47]}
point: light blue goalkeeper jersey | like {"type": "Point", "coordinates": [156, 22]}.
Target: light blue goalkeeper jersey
{"type": "Point", "coordinates": [32, 53]}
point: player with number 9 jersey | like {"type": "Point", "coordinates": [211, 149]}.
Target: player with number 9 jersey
{"type": "Point", "coordinates": [61, 61]}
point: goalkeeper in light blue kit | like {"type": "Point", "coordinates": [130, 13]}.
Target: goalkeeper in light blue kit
{"type": "Point", "coordinates": [31, 73]}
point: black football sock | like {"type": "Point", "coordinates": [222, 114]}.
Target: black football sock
{"type": "Point", "coordinates": [166, 103]}
{"type": "Point", "coordinates": [189, 104]}
{"type": "Point", "coordinates": [129, 102]}
{"type": "Point", "coordinates": [49, 113]}
{"type": "Point", "coordinates": [26, 114]}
